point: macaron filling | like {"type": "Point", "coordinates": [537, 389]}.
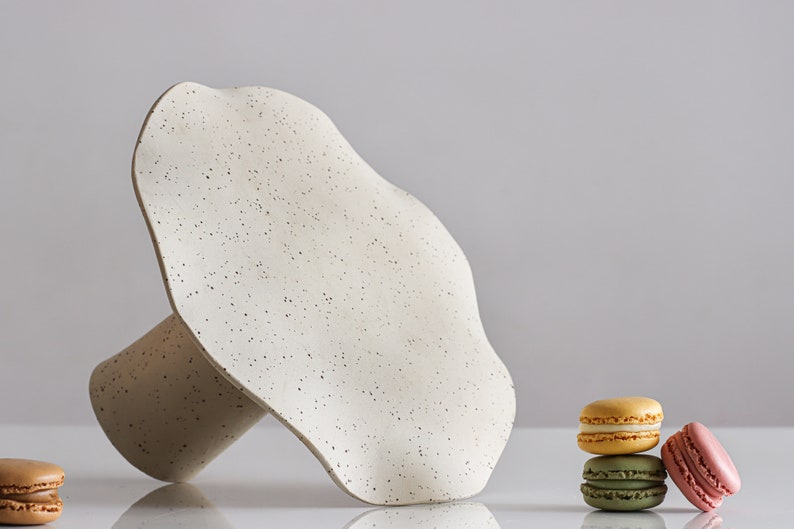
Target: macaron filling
{"type": "Point", "coordinates": [627, 484]}
{"type": "Point", "coordinates": [40, 496]}
{"type": "Point", "coordinates": [610, 428]}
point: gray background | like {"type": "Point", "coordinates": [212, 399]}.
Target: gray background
{"type": "Point", "coordinates": [618, 173]}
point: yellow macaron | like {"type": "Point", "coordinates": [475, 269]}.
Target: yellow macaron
{"type": "Point", "coordinates": [624, 425]}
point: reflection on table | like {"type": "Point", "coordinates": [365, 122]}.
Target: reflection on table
{"type": "Point", "coordinates": [645, 520]}
{"type": "Point", "coordinates": [438, 516]}
{"type": "Point", "coordinates": [182, 505]}
{"type": "Point", "coordinates": [173, 506]}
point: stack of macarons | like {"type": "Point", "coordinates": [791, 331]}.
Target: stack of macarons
{"type": "Point", "coordinates": [621, 479]}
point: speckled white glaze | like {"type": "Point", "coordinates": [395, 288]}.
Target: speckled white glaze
{"type": "Point", "coordinates": [326, 294]}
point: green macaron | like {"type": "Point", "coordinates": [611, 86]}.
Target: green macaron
{"type": "Point", "coordinates": [624, 482]}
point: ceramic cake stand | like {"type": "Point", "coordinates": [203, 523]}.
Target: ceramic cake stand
{"type": "Point", "coordinates": [304, 285]}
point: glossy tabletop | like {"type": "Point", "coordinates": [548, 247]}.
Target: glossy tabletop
{"type": "Point", "coordinates": [269, 479]}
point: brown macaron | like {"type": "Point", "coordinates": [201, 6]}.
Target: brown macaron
{"type": "Point", "coordinates": [29, 492]}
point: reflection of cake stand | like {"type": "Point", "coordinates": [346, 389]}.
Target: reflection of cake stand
{"type": "Point", "coordinates": [305, 285]}
{"type": "Point", "coordinates": [179, 505]}
{"type": "Point", "coordinates": [446, 516]}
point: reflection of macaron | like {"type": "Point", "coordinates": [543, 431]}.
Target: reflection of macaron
{"type": "Point", "coordinates": [623, 425]}
{"type": "Point", "coordinates": [624, 483]}
{"type": "Point", "coordinates": [700, 466]}
{"type": "Point", "coordinates": [705, 520]}
{"type": "Point", "coordinates": [29, 492]}
{"type": "Point", "coordinates": [623, 520]}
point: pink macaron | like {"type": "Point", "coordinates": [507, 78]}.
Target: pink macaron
{"type": "Point", "coordinates": [699, 465]}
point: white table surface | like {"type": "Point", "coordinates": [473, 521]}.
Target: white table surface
{"type": "Point", "coordinates": [269, 479]}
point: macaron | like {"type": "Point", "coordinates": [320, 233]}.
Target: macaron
{"type": "Point", "coordinates": [624, 482]}
{"type": "Point", "coordinates": [29, 492]}
{"type": "Point", "coordinates": [700, 467]}
{"type": "Point", "coordinates": [624, 425]}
